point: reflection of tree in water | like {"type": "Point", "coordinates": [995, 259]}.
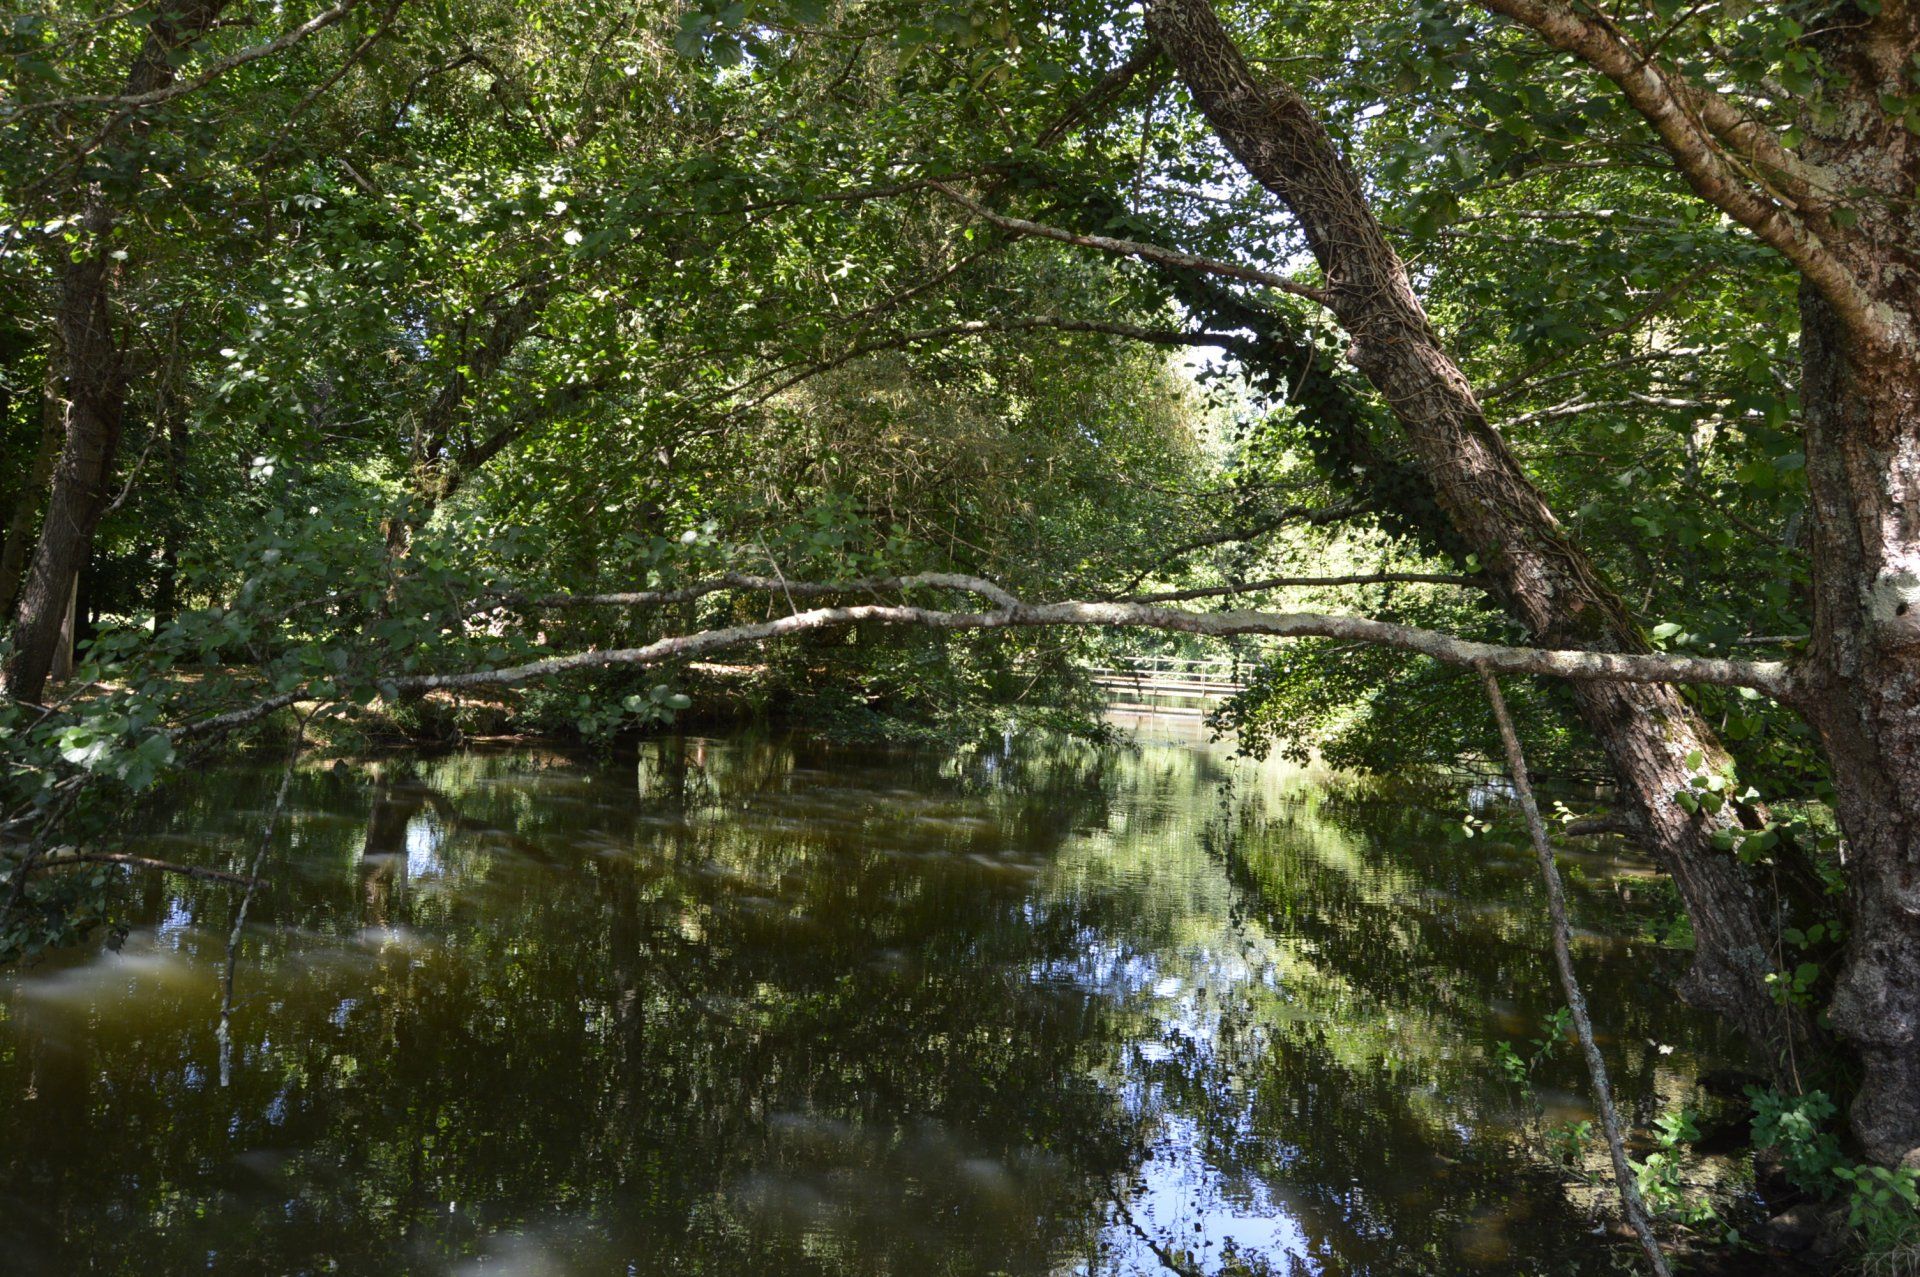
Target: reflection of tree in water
{"type": "Point", "coordinates": [791, 1036]}
{"type": "Point", "coordinates": [768, 1007]}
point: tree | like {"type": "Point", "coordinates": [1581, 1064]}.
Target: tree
{"type": "Point", "coordinates": [92, 378]}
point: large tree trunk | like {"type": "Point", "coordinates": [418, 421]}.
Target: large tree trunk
{"type": "Point", "coordinates": [1860, 395]}
{"type": "Point", "coordinates": [1863, 696]}
{"type": "Point", "coordinates": [1837, 203]}
{"type": "Point", "coordinates": [93, 382]}
{"type": "Point", "coordinates": [1647, 732]}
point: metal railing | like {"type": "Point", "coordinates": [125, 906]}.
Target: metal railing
{"type": "Point", "coordinates": [1207, 678]}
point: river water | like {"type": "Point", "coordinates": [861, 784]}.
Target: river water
{"type": "Point", "coordinates": [764, 1006]}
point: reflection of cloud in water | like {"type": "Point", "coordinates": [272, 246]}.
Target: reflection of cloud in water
{"type": "Point", "coordinates": [104, 980]}
{"type": "Point", "coordinates": [179, 918]}
{"type": "Point", "coordinates": [537, 1252]}
{"type": "Point", "coordinates": [379, 939]}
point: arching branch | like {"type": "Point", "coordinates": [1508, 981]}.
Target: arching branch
{"type": "Point", "coordinates": [180, 88]}
{"type": "Point", "coordinates": [1771, 677]}
{"type": "Point", "coordinates": [1131, 248]}
{"type": "Point", "coordinates": [981, 328]}
{"type": "Point", "coordinates": [1729, 159]}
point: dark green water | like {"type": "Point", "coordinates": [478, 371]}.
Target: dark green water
{"type": "Point", "coordinates": [769, 1007]}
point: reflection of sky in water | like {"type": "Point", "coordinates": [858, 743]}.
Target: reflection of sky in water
{"type": "Point", "coordinates": [424, 837]}
{"type": "Point", "coordinates": [1176, 1196]}
{"type": "Point", "coordinates": [178, 918]}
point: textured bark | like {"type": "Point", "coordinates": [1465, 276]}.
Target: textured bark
{"type": "Point", "coordinates": [1863, 472]}
{"type": "Point", "coordinates": [1861, 401]}
{"type": "Point", "coordinates": [96, 394]}
{"type": "Point", "coordinates": [1545, 581]}
{"type": "Point", "coordinates": [70, 620]}
{"type": "Point", "coordinates": [94, 385]}
{"type": "Point", "coordinates": [1860, 397]}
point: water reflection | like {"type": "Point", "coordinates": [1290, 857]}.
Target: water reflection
{"type": "Point", "coordinates": [766, 1007]}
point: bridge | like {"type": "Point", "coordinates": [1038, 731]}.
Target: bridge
{"type": "Point", "coordinates": [1168, 684]}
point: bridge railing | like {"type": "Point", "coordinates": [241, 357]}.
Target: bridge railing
{"type": "Point", "coordinates": [1214, 678]}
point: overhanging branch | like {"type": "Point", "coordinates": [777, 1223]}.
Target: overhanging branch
{"type": "Point", "coordinates": [1774, 678]}
{"type": "Point", "coordinates": [1728, 158]}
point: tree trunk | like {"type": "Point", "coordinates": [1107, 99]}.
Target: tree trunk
{"type": "Point", "coordinates": [94, 381]}
{"type": "Point", "coordinates": [1862, 678]}
{"type": "Point", "coordinates": [69, 631]}
{"type": "Point", "coordinates": [1648, 732]}
{"type": "Point", "coordinates": [1860, 398]}
{"type": "Point", "coordinates": [96, 395]}
{"type": "Point", "coordinates": [445, 455]}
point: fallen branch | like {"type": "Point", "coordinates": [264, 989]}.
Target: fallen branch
{"type": "Point", "coordinates": [1603, 826]}
{"type": "Point", "coordinates": [1768, 676]}
{"type": "Point", "coordinates": [1570, 982]}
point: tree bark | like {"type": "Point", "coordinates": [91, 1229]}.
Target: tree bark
{"type": "Point", "coordinates": [96, 393]}
{"type": "Point", "coordinates": [1862, 412]}
{"type": "Point", "coordinates": [94, 383]}
{"type": "Point", "coordinates": [1860, 393]}
{"type": "Point", "coordinates": [63, 646]}
{"type": "Point", "coordinates": [1648, 733]}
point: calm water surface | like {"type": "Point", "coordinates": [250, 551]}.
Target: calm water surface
{"type": "Point", "coordinates": [745, 1007]}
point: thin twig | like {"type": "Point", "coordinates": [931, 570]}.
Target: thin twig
{"type": "Point", "coordinates": [1569, 982]}
{"type": "Point", "coordinates": [1313, 582]}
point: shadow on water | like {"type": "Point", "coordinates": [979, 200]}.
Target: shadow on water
{"type": "Point", "coordinates": [762, 1006]}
